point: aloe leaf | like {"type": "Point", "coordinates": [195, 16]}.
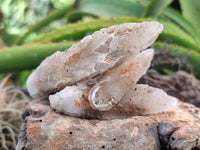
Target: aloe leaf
{"type": "Point", "coordinates": [184, 24]}
{"type": "Point", "coordinates": [191, 57]}
{"type": "Point", "coordinates": [112, 8]}
{"type": "Point", "coordinates": [54, 15]}
{"type": "Point", "coordinates": [74, 29]}
{"type": "Point", "coordinates": [190, 10]}
{"type": "Point", "coordinates": [77, 31]}
{"type": "Point", "coordinates": [20, 58]}
{"type": "Point", "coordinates": [155, 7]}
{"type": "Point", "coordinates": [176, 35]}
{"type": "Point", "coordinates": [76, 35]}
{"type": "Point", "coordinates": [75, 15]}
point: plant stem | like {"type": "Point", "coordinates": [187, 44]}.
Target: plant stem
{"type": "Point", "coordinates": [155, 7]}
{"type": "Point", "coordinates": [27, 57]}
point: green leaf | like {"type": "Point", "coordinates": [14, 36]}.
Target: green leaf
{"type": "Point", "coordinates": [27, 57]}
{"type": "Point", "coordinates": [191, 11]}
{"type": "Point", "coordinates": [179, 20]}
{"type": "Point", "coordinates": [75, 15]}
{"type": "Point", "coordinates": [77, 31]}
{"type": "Point", "coordinates": [56, 14]}
{"type": "Point", "coordinates": [111, 8]}
{"type": "Point", "coordinates": [155, 7]}
{"type": "Point", "coordinates": [176, 35]}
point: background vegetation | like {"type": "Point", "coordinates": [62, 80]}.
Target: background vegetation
{"type": "Point", "coordinates": [32, 30]}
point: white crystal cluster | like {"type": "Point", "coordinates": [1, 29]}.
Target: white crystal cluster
{"type": "Point", "coordinates": [96, 78]}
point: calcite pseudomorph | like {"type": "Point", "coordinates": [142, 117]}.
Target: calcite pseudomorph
{"type": "Point", "coordinates": [97, 77]}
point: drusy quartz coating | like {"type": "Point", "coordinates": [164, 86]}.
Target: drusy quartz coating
{"type": "Point", "coordinates": [97, 77]}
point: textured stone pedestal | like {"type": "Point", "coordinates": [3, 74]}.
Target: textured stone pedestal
{"type": "Point", "coordinates": [44, 129]}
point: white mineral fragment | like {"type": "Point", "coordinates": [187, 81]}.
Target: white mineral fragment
{"type": "Point", "coordinates": [116, 82]}
{"type": "Point", "coordinates": [92, 56]}
{"type": "Point", "coordinates": [97, 77]}
{"type": "Point", "coordinates": [139, 100]}
{"type": "Point", "coordinates": [143, 99]}
{"type": "Point", "coordinates": [71, 101]}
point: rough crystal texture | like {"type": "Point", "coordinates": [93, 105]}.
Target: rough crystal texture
{"type": "Point", "coordinates": [92, 56]}
{"type": "Point", "coordinates": [97, 77]}
{"type": "Point", "coordinates": [114, 84]}
{"type": "Point", "coordinates": [142, 99]}
{"type": "Point", "coordinates": [70, 100]}
{"type": "Point", "coordinates": [138, 100]}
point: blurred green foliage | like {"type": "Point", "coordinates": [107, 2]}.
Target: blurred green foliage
{"type": "Point", "coordinates": [16, 16]}
{"type": "Point", "coordinates": [64, 22]}
{"type": "Point", "coordinates": [191, 11]}
{"type": "Point", "coordinates": [113, 8]}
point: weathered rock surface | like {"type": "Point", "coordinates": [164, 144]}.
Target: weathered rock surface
{"type": "Point", "coordinates": [43, 129]}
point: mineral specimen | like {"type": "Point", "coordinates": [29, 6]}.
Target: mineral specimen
{"type": "Point", "coordinates": [96, 78]}
{"type": "Point", "coordinates": [92, 56]}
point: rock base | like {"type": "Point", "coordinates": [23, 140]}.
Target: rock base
{"type": "Point", "coordinates": [45, 129]}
